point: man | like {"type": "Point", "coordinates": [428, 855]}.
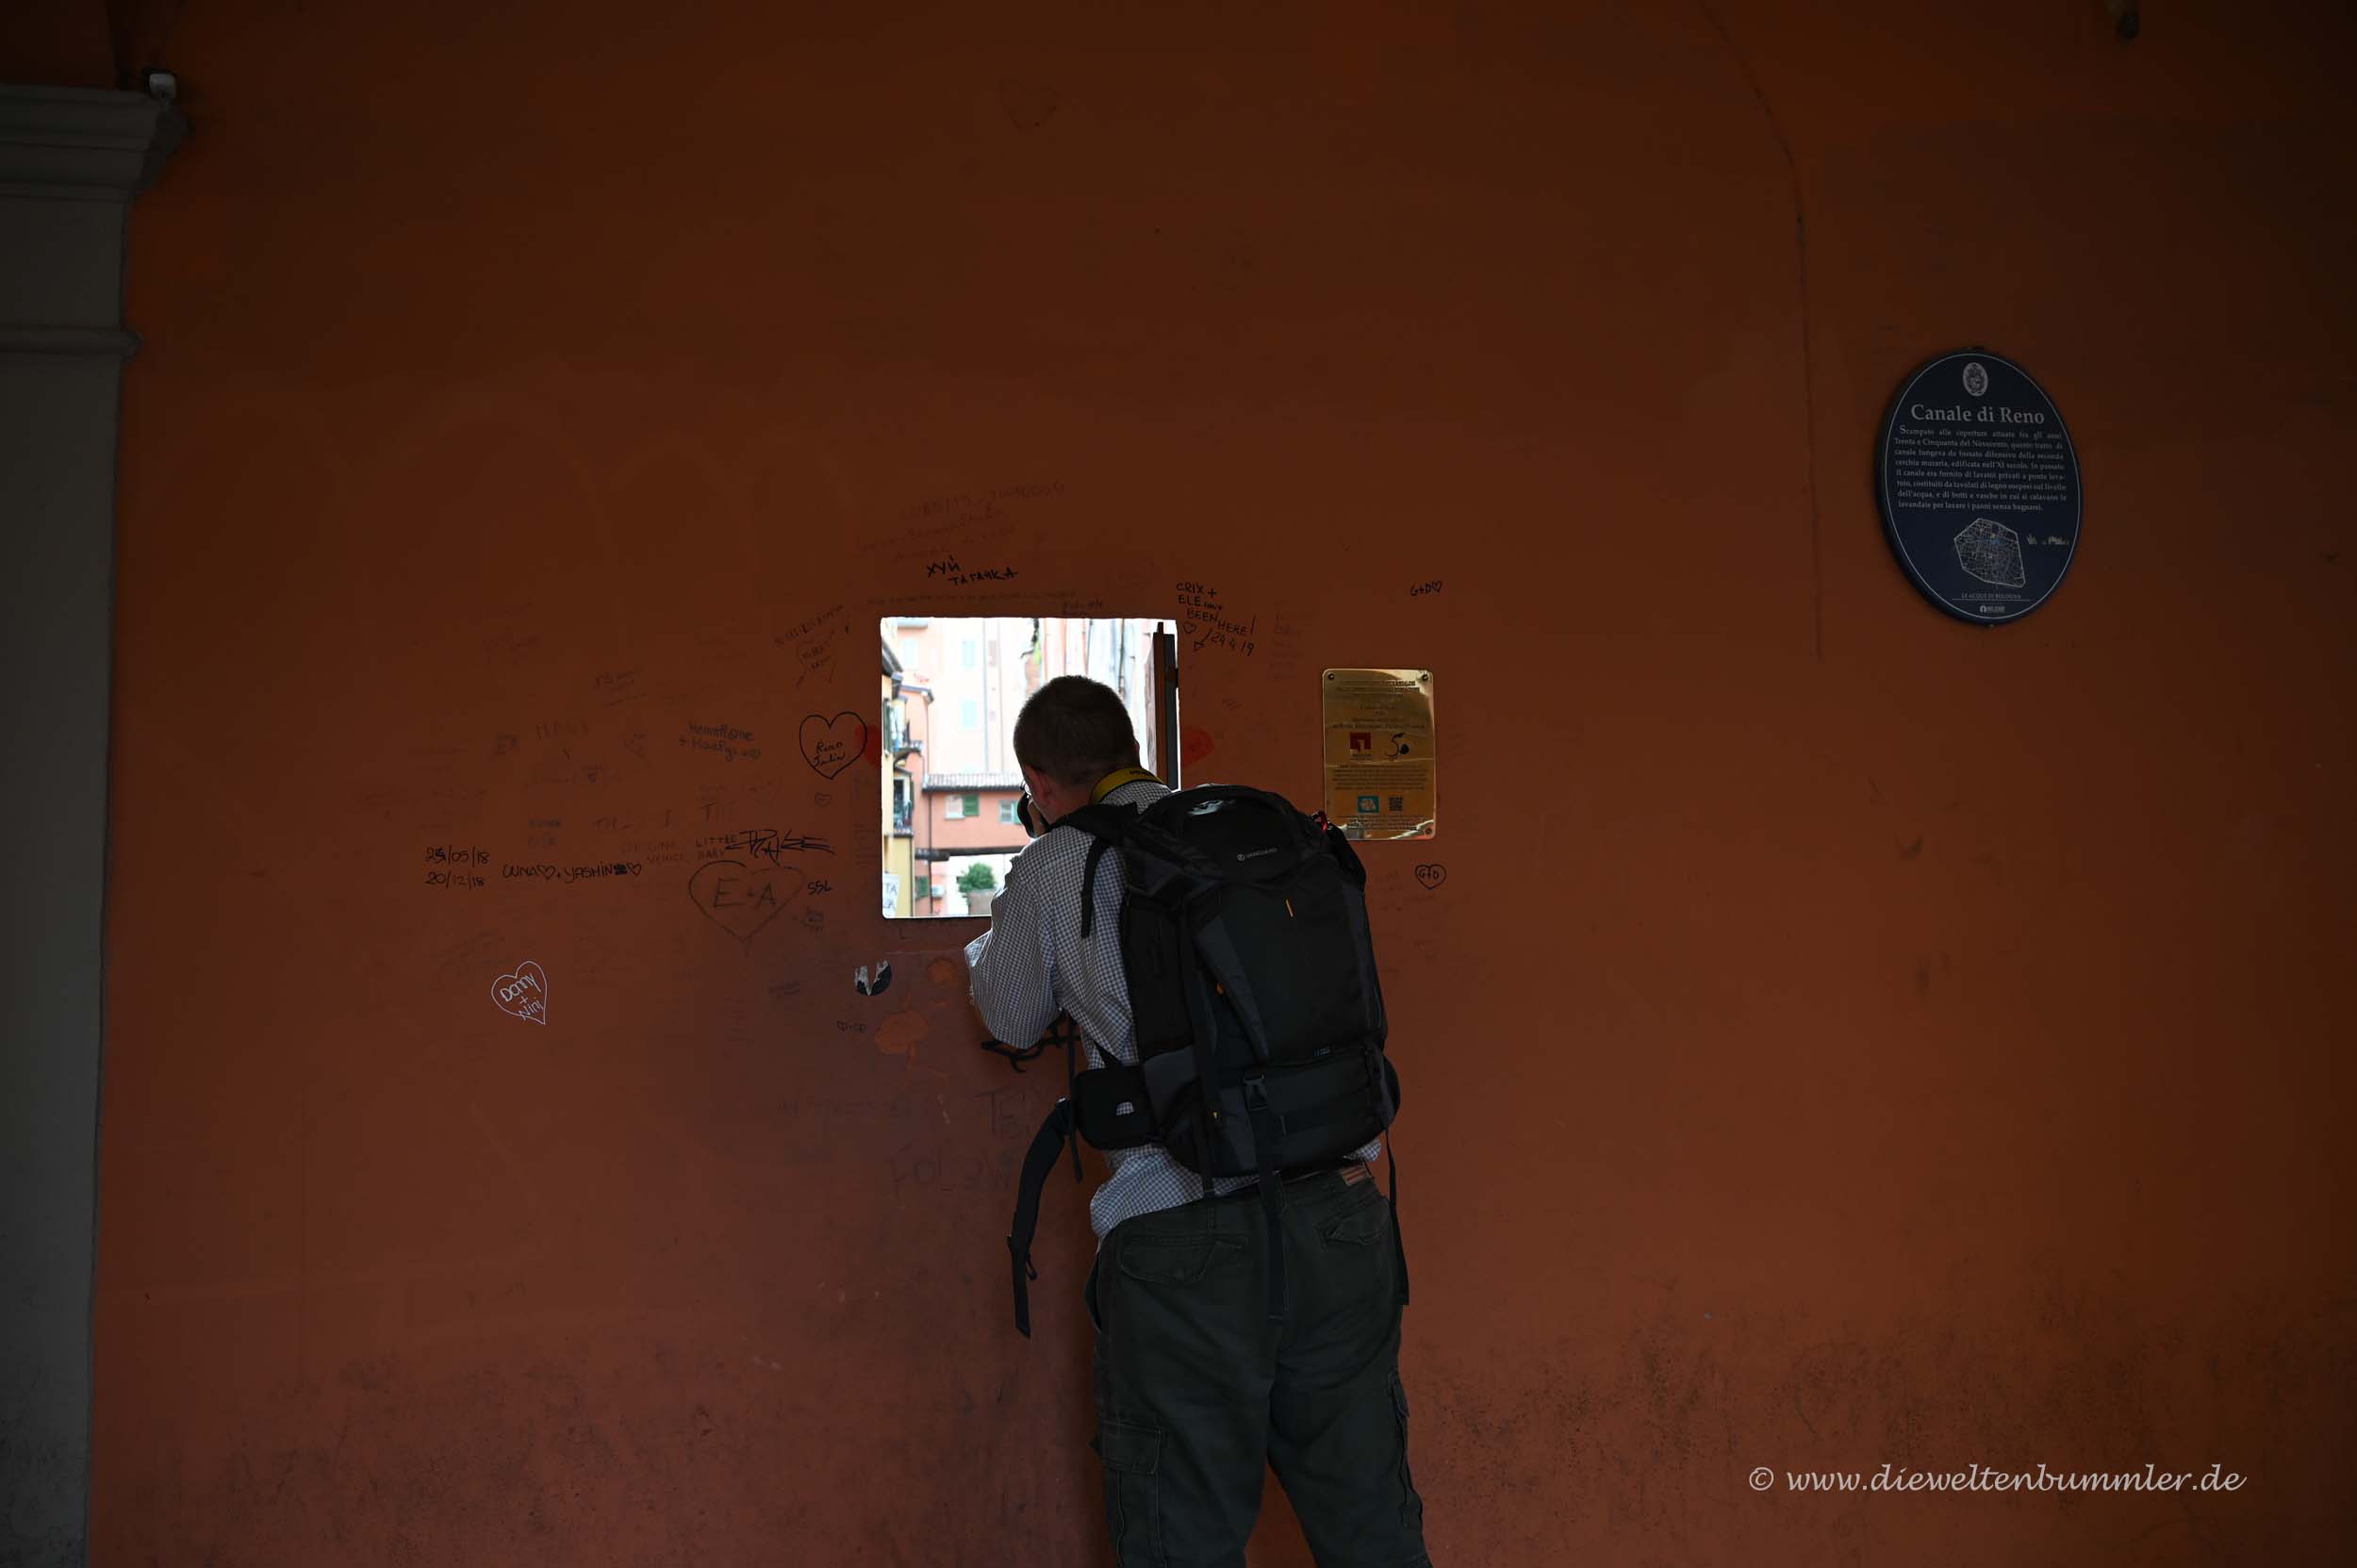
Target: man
{"type": "Point", "coordinates": [1196, 1390]}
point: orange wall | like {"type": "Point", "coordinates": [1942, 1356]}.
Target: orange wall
{"type": "Point", "coordinates": [1932, 1048]}
{"type": "Point", "coordinates": [983, 833]}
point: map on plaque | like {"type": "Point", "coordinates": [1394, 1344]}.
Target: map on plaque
{"type": "Point", "coordinates": [1979, 487]}
{"type": "Point", "coordinates": [1380, 752]}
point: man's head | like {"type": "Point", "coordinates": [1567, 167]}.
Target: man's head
{"type": "Point", "coordinates": [1070, 733]}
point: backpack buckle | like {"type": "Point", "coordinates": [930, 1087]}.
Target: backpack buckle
{"type": "Point", "coordinates": [1255, 1100]}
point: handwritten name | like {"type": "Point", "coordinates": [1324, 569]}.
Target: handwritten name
{"type": "Point", "coordinates": [955, 575]}
{"type": "Point", "coordinates": [726, 739]}
{"type": "Point", "coordinates": [1216, 631]}
{"type": "Point", "coordinates": [545, 872]}
{"type": "Point", "coordinates": [697, 743]}
{"type": "Point", "coordinates": [807, 627]}
{"type": "Point", "coordinates": [766, 843]}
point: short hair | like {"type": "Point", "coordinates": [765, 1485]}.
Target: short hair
{"type": "Point", "coordinates": [1075, 730]}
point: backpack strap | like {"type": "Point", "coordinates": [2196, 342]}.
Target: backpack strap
{"type": "Point", "coordinates": [1088, 884]}
{"type": "Point", "coordinates": [1271, 1206]}
{"type": "Point", "coordinates": [1108, 826]}
{"type": "Point", "coordinates": [1071, 1092]}
{"type": "Point", "coordinates": [1046, 1145]}
{"type": "Point", "coordinates": [1399, 1251]}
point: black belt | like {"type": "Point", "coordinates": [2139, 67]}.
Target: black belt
{"type": "Point", "coordinates": [1047, 1143]}
{"type": "Point", "coordinates": [1252, 1188]}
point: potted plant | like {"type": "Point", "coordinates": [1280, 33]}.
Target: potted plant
{"type": "Point", "coordinates": [980, 884]}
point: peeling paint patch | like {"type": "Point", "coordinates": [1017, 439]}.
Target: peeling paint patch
{"type": "Point", "coordinates": [899, 1033]}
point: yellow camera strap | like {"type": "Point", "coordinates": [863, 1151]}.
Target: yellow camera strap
{"type": "Point", "coordinates": [1114, 779]}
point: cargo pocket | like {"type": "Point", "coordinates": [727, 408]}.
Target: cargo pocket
{"type": "Point", "coordinates": [1358, 1249]}
{"type": "Point", "coordinates": [1411, 1505]}
{"type": "Point", "coordinates": [1362, 1223]}
{"type": "Point", "coordinates": [1132, 1506]}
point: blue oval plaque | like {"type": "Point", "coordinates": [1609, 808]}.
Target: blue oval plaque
{"type": "Point", "coordinates": [1979, 486]}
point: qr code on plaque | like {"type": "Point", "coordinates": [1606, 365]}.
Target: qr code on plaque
{"type": "Point", "coordinates": [1400, 802]}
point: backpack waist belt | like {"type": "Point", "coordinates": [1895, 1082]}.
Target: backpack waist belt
{"type": "Point", "coordinates": [1048, 1145]}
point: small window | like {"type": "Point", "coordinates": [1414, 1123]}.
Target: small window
{"type": "Point", "coordinates": [980, 671]}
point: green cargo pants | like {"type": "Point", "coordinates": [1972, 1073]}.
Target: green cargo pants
{"type": "Point", "coordinates": [1197, 1391]}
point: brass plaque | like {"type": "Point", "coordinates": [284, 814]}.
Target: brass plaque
{"type": "Point", "coordinates": [1380, 752]}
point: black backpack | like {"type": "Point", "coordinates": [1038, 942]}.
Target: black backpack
{"type": "Point", "coordinates": [1243, 936]}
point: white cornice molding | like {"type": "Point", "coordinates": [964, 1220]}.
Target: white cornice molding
{"type": "Point", "coordinates": [80, 143]}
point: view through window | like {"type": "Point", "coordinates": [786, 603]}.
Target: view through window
{"type": "Point", "coordinates": [952, 686]}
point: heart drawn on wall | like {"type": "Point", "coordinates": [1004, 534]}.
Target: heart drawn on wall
{"type": "Point", "coordinates": [1432, 875]}
{"type": "Point", "coordinates": [832, 745]}
{"type": "Point", "coordinates": [523, 993]}
{"type": "Point", "coordinates": [741, 898]}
